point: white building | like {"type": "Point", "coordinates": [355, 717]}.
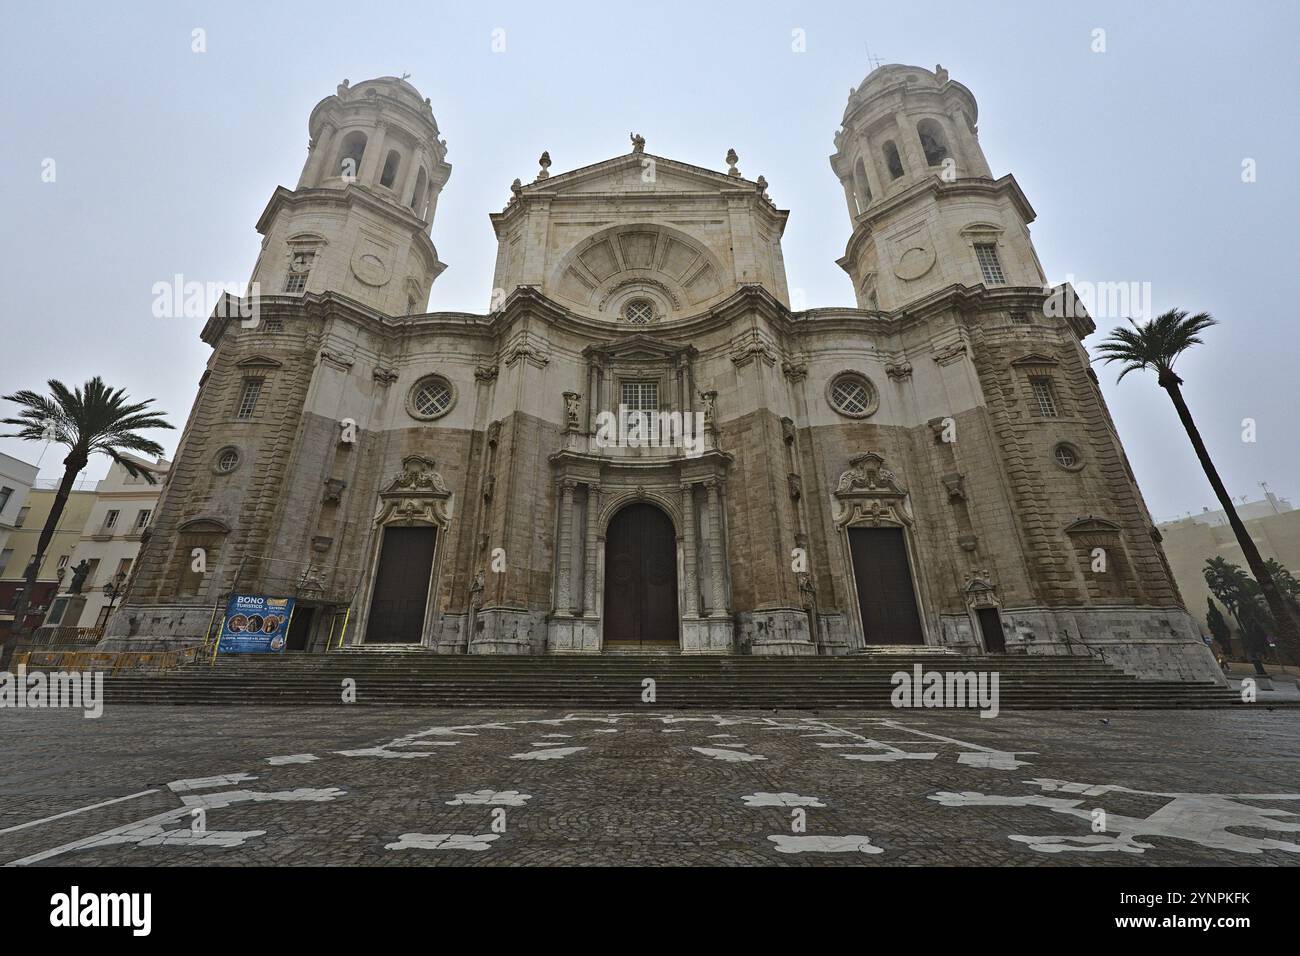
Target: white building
{"type": "Point", "coordinates": [16, 480]}
{"type": "Point", "coordinates": [110, 541]}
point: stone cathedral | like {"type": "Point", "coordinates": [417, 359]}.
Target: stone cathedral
{"type": "Point", "coordinates": [931, 466]}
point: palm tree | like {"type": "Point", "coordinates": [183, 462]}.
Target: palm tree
{"type": "Point", "coordinates": [1156, 345]}
{"type": "Point", "coordinates": [89, 420]}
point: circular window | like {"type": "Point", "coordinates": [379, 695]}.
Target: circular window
{"type": "Point", "coordinates": [432, 397]}
{"type": "Point", "coordinates": [639, 311]}
{"type": "Point", "coordinates": [1067, 456]}
{"type": "Point", "coordinates": [227, 460]}
{"type": "Point", "coordinates": [852, 395]}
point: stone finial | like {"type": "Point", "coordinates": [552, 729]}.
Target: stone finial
{"type": "Point", "coordinates": [732, 159]}
{"type": "Point", "coordinates": [545, 162]}
{"type": "Point", "coordinates": [516, 188]}
{"type": "Point", "coordinates": [761, 185]}
{"type": "Point", "coordinates": [638, 143]}
{"type": "Point", "coordinates": [940, 73]}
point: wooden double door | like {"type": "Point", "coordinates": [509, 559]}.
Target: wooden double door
{"type": "Point", "coordinates": [886, 593]}
{"type": "Point", "coordinates": [641, 577]}
{"type": "Point", "coordinates": [401, 591]}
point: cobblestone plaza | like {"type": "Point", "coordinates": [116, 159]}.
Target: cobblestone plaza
{"type": "Point", "coordinates": [425, 786]}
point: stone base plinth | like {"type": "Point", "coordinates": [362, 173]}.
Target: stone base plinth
{"type": "Point", "coordinates": [573, 635]}
{"type": "Point", "coordinates": [500, 630]}
{"type": "Point", "coordinates": [708, 635]}
{"type": "Point", "coordinates": [778, 631]}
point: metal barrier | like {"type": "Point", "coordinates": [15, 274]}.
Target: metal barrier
{"type": "Point", "coordinates": [113, 662]}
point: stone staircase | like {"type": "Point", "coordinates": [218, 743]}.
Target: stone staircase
{"type": "Point", "coordinates": [615, 682]}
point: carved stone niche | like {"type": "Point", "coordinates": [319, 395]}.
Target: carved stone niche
{"type": "Point", "coordinates": [956, 485]}
{"type": "Point", "coordinates": [980, 590]}
{"type": "Point", "coordinates": [418, 494]}
{"type": "Point", "coordinates": [787, 431]}
{"type": "Point", "coordinates": [870, 493]}
{"type": "Point", "coordinates": [334, 490]}
{"type": "Point", "coordinates": [796, 486]}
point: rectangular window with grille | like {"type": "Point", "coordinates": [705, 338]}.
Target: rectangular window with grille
{"type": "Point", "coordinates": [1044, 398]}
{"type": "Point", "coordinates": [990, 266]}
{"type": "Point", "coordinates": [640, 396]}
{"type": "Point", "coordinates": [248, 398]}
{"type": "Point", "coordinates": [299, 268]}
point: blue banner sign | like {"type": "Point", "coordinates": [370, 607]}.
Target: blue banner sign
{"type": "Point", "coordinates": [255, 624]}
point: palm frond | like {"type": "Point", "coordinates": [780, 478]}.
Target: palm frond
{"type": "Point", "coordinates": [1155, 344]}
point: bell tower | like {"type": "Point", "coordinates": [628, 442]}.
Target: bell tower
{"type": "Point", "coordinates": [358, 222]}
{"type": "Point", "coordinates": [925, 209]}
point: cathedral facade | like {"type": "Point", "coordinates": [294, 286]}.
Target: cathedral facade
{"type": "Point", "coordinates": [640, 446]}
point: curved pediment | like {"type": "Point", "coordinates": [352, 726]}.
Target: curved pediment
{"type": "Point", "coordinates": [202, 525]}
{"type": "Point", "coordinates": [1092, 525]}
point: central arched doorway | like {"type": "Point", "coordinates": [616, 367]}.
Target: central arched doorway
{"type": "Point", "coordinates": [640, 578]}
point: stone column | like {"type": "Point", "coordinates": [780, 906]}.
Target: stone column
{"type": "Point", "coordinates": [565, 547]}
{"type": "Point", "coordinates": [716, 548]}
{"type": "Point", "coordinates": [593, 522]}
{"type": "Point", "coordinates": [319, 156]}
{"type": "Point", "coordinates": [407, 192]}
{"type": "Point", "coordinates": [373, 159]}
{"type": "Point", "coordinates": [909, 147]}
{"type": "Point", "coordinates": [690, 571]}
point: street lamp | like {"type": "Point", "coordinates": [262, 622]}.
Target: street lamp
{"type": "Point", "coordinates": [114, 589]}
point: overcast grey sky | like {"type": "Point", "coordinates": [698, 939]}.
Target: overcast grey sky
{"type": "Point", "coordinates": [1131, 157]}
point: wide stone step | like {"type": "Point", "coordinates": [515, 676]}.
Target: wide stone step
{"type": "Point", "coordinates": [421, 678]}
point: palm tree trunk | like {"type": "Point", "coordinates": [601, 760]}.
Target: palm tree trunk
{"type": "Point", "coordinates": [71, 468]}
{"type": "Point", "coordinates": [1288, 631]}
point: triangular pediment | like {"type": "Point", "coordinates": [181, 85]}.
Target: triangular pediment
{"type": "Point", "coordinates": [258, 361]}
{"type": "Point", "coordinates": [639, 173]}
{"type": "Point", "coordinates": [638, 347]}
{"type": "Point", "coordinates": [1035, 358]}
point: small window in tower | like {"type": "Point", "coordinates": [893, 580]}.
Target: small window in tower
{"type": "Point", "coordinates": [227, 460]}
{"type": "Point", "coordinates": [933, 143]}
{"type": "Point", "coordinates": [990, 265]}
{"type": "Point", "coordinates": [639, 311]}
{"type": "Point", "coordinates": [639, 396]}
{"type": "Point", "coordinates": [1067, 456]}
{"type": "Point", "coordinates": [300, 264]}
{"type": "Point", "coordinates": [389, 175]}
{"type": "Point", "coordinates": [1044, 397]}
{"type": "Point", "coordinates": [248, 399]}
{"type": "Point", "coordinates": [892, 159]}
